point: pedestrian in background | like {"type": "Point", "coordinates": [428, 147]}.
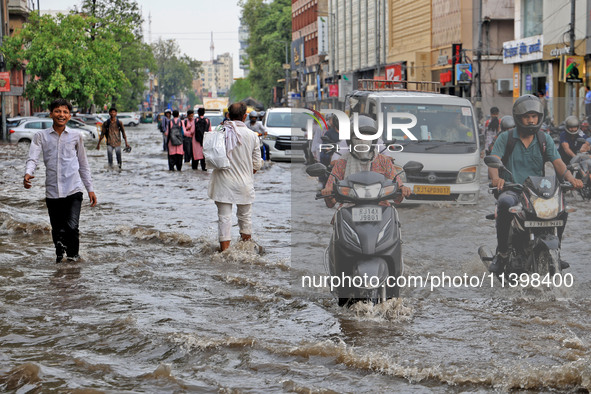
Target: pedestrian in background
{"type": "Point", "coordinates": [112, 130]}
{"type": "Point", "coordinates": [236, 184]}
{"type": "Point", "coordinates": [164, 127]}
{"type": "Point", "coordinates": [188, 138]}
{"type": "Point", "coordinates": [174, 138]}
{"type": "Point", "coordinates": [202, 126]}
{"type": "Point", "coordinates": [67, 171]}
{"type": "Point", "coordinates": [588, 103]}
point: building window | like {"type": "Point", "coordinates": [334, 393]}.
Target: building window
{"type": "Point", "coordinates": [532, 17]}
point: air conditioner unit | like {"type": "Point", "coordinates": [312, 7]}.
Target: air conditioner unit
{"type": "Point", "coordinates": [504, 85]}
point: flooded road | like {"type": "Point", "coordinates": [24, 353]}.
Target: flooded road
{"type": "Point", "coordinates": [154, 308]}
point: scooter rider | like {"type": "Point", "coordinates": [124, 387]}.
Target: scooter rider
{"type": "Point", "coordinates": [361, 159]}
{"type": "Point", "coordinates": [569, 139]}
{"type": "Point", "coordinates": [507, 123]}
{"type": "Point", "coordinates": [523, 151]}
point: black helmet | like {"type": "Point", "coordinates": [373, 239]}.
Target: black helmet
{"type": "Point", "coordinates": [253, 114]}
{"type": "Point", "coordinates": [366, 126]}
{"type": "Point", "coordinates": [525, 104]}
{"type": "Point", "coordinates": [571, 122]}
{"type": "Point", "coordinates": [507, 123]}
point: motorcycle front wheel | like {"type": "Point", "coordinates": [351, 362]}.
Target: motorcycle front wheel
{"type": "Point", "coordinates": [548, 262]}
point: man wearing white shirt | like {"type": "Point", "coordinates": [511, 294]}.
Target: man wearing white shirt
{"type": "Point", "coordinates": [67, 172]}
{"type": "Point", "coordinates": [235, 185]}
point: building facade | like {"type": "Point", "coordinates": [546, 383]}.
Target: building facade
{"type": "Point", "coordinates": [541, 52]}
{"type": "Point", "coordinates": [218, 75]}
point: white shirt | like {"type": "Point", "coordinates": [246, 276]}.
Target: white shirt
{"type": "Point", "coordinates": [66, 165]}
{"type": "Point", "coordinates": [236, 184]}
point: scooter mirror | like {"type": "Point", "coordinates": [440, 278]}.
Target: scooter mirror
{"type": "Point", "coordinates": [413, 167]}
{"type": "Point", "coordinates": [316, 169]}
{"type": "Point", "coordinates": [493, 162]}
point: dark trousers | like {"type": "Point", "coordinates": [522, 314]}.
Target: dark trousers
{"type": "Point", "coordinates": [64, 216]}
{"type": "Point", "coordinates": [188, 148]}
{"type": "Point", "coordinates": [505, 201]}
{"type": "Point", "coordinates": [588, 112]}
{"type": "Point", "coordinates": [195, 164]}
{"type": "Point", "coordinates": [175, 160]}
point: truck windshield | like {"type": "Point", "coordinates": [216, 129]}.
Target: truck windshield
{"type": "Point", "coordinates": [286, 119]}
{"type": "Point", "coordinates": [436, 123]}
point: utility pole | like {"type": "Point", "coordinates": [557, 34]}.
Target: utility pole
{"type": "Point", "coordinates": [3, 134]}
{"type": "Point", "coordinates": [571, 86]}
{"type": "Point", "coordinates": [479, 65]}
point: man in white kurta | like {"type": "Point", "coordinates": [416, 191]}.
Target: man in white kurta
{"type": "Point", "coordinates": [236, 184]}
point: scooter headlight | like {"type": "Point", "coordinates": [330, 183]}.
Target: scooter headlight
{"type": "Point", "coordinates": [546, 208]}
{"type": "Point", "coordinates": [347, 191]}
{"type": "Point", "coordinates": [367, 191]}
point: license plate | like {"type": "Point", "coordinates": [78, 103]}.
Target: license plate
{"type": "Point", "coordinates": [367, 214]}
{"type": "Point", "coordinates": [426, 189]}
{"type": "Point", "coordinates": [550, 223]}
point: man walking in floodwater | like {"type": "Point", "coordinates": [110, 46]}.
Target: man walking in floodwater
{"type": "Point", "coordinates": [235, 185]}
{"type": "Point", "coordinates": [67, 170]}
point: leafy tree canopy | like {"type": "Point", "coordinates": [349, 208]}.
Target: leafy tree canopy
{"type": "Point", "coordinates": [175, 70]}
{"type": "Point", "coordinates": [65, 61]}
{"type": "Point", "coordinates": [269, 24]}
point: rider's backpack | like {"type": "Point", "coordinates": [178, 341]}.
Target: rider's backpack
{"type": "Point", "coordinates": [175, 135]}
{"type": "Point", "coordinates": [201, 126]}
{"type": "Point", "coordinates": [511, 141]}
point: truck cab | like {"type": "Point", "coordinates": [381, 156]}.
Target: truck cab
{"type": "Point", "coordinates": [445, 140]}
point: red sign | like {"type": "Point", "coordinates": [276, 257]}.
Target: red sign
{"type": "Point", "coordinates": [394, 72]}
{"type": "Point", "coordinates": [5, 81]}
{"type": "Point", "coordinates": [333, 90]}
{"type": "Point", "coordinates": [445, 77]}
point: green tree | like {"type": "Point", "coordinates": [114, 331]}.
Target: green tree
{"type": "Point", "coordinates": [65, 60]}
{"type": "Point", "coordinates": [240, 90]}
{"type": "Point", "coordinates": [269, 24]}
{"type": "Point", "coordinates": [175, 70]}
{"type": "Point", "coordinates": [124, 20]}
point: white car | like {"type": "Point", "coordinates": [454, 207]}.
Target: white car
{"type": "Point", "coordinates": [24, 132]}
{"type": "Point", "coordinates": [129, 118]}
{"type": "Point", "coordinates": [285, 136]}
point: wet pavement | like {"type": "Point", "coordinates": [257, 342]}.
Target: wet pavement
{"type": "Point", "coordinates": [154, 308]}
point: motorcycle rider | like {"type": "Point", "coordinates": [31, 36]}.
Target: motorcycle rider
{"type": "Point", "coordinates": [530, 149]}
{"type": "Point", "coordinates": [362, 159]}
{"type": "Point", "coordinates": [258, 128]}
{"type": "Point", "coordinates": [569, 139]}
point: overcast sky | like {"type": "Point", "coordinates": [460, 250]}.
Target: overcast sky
{"type": "Point", "coordinates": [189, 22]}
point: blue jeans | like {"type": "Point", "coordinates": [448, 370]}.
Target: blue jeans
{"type": "Point", "coordinates": [110, 154]}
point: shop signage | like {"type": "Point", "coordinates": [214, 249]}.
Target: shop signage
{"type": "Point", "coordinates": [5, 81]}
{"type": "Point", "coordinates": [571, 68]}
{"type": "Point", "coordinates": [463, 74]}
{"type": "Point", "coordinates": [396, 72]}
{"type": "Point", "coordinates": [556, 52]}
{"type": "Point", "coordinates": [524, 50]}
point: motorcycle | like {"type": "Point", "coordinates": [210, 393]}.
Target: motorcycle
{"type": "Point", "coordinates": [579, 172]}
{"type": "Point", "coordinates": [534, 244]}
{"type": "Point", "coordinates": [365, 247]}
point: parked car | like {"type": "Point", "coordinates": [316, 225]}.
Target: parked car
{"type": "Point", "coordinates": [129, 118]}
{"type": "Point", "coordinates": [285, 135]}
{"type": "Point", "coordinates": [13, 122]}
{"type": "Point", "coordinates": [89, 119]}
{"type": "Point", "coordinates": [24, 132]}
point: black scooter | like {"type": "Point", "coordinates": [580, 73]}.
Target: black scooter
{"type": "Point", "coordinates": [364, 252]}
{"type": "Point", "coordinates": [534, 245]}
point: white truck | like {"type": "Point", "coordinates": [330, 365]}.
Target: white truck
{"type": "Point", "coordinates": [446, 140]}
